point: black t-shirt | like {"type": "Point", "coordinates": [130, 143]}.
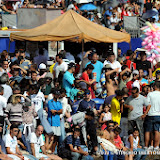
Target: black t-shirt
{"type": "Point", "coordinates": [145, 65]}
{"type": "Point", "coordinates": [125, 110]}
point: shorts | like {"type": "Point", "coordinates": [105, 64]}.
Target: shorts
{"type": "Point", "coordinates": [56, 130]}
{"type": "Point", "coordinates": [152, 123]}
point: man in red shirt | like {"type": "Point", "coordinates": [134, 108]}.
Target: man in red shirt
{"type": "Point", "coordinates": [135, 77]}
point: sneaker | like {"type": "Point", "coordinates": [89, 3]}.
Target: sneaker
{"type": "Point", "coordinates": [156, 148]}
{"type": "Point", "coordinates": [150, 148]}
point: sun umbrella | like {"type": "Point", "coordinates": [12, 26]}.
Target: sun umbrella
{"type": "Point", "coordinates": [88, 7]}
{"type": "Point", "coordinates": [149, 14]}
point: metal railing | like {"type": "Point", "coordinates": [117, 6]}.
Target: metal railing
{"type": "Point", "coordinates": [133, 26]}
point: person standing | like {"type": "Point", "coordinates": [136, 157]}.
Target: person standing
{"type": "Point", "coordinates": [54, 111]}
{"type": "Point", "coordinates": [135, 104]}
{"type": "Point", "coordinates": [96, 73]}
{"type": "Point", "coordinates": [61, 66]}
{"type": "Point", "coordinates": [152, 122]}
{"type": "Point", "coordinates": [117, 106]}
{"type": "Point", "coordinates": [68, 79]}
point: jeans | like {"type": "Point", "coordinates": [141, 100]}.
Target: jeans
{"type": "Point", "coordinates": [44, 122]}
{"type": "Point", "coordinates": [110, 156]}
{"type": "Point", "coordinates": [139, 156]}
{"type": "Point", "coordinates": [63, 133]}
{"type": "Point", "coordinates": [76, 156]}
{"type": "Point", "coordinates": [124, 127]}
{"type": "Point", "coordinates": [139, 123]}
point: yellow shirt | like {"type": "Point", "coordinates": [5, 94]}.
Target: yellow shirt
{"type": "Point", "coordinates": [154, 73]}
{"type": "Point", "coordinates": [115, 110]}
{"type": "Point", "coordinates": [51, 67]}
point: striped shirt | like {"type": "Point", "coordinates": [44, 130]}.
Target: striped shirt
{"type": "Point", "coordinates": [15, 112]}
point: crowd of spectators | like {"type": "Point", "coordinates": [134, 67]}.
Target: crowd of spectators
{"type": "Point", "coordinates": [54, 112]}
{"type": "Point", "coordinates": [108, 13]}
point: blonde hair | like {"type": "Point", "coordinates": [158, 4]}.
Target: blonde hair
{"type": "Point", "coordinates": [15, 99]}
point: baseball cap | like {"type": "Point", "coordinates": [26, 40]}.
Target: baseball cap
{"type": "Point", "coordinates": [70, 65]}
{"type": "Point", "coordinates": [82, 85]}
{"type": "Point", "coordinates": [56, 91]}
{"type": "Point", "coordinates": [42, 66]}
{"type": "Point", "coordinates": [157, 72]}
{"type": "Point", "coordinates": [107, 66]}
{"type": "Point", "coordinates": [110, 8]}
{"type": "Point", "coordinates": [135, 72]}
{"type": "Point", "coordinates": [87, 91]}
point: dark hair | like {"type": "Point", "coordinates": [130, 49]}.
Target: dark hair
{"type": "Point", "coordinates": [129, 52]}
{"type": "Point", "coordinates": [105, 104]}
{"type": "Point", "coordinates": [35, 87]}
{"type": "Point", "coordinates": [90, 66]}
{"type": "Point", "coordinates": [13, 126]}
{"type": "Point", "coordinates": [142, 53]}
{"type": "Point", "coordinates": [62, 90]}
{"type": "Point", "coordinates": [135, 129]}
{"type": "Point", "coordinates": [1, 89]}
{"type": "Point", "coordinates": [110, 121]}
{"type": "Point", "coordinates": [77, 130]}
{"type": "Point", "coordinates": [90, 113]}
{"type": "Point", "coordinates": [59, 55]}
{"type": "Point", "coordinates": [21, 50]}
{"type": "Point", "coordinates": [33, 72]}
{"type": "Point", "coordinates": [63, 53]}
{"type": "Point", "coordinates": [110, 53]}
{"type": "Point", "coordinates": [125, 90]}
{"type": "Point", "coordinates": [118, 129]}
{"type": "Point", "coordinates": [119, 92]}
{"type": "Point", "coordinates": [157, 84]}
{"type": "Point", "coordinates": [41, 81]}
{"type": "Point", "coordinates": [135, 88]}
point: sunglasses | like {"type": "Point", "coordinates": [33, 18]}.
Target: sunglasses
{"type": "Point", "coordinates": [111, 126]}
{"type": "Point", "coordinates": [15, 130]}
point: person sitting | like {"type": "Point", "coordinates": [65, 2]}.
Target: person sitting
{"type": "Point", "coordinates": [11, 144]}
{"type": "Point", "coordinates": [37, 143]}
{"type": "Point", "coordinates": [71, 147]}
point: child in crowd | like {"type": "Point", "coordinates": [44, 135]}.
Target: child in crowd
{"type": "Point", "coordinates": [105, 116]}
{"type": "Point", "coordinates": [132, 144]}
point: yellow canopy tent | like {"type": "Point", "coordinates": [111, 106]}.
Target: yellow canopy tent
{"type": "Point", "coordinates": [71, 26]}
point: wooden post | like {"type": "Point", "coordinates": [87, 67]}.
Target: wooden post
{"type": "Point", "coordinates": [82, 52]}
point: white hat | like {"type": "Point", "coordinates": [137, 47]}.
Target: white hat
{"type": "Point", "coordinates": [42, 66]}
{"type": "Point", "coordinates": [135, 72]}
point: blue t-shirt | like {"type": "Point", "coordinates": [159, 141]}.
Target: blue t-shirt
{"type": "Point", "coordinates": [74, 141]}
{"type": "Point", "coordinates": [98, 66]}
{"type": "Point", "coordinates": [84, 105]}
{"type": "Point", "coordinates": [54, 120]}
{"type": "Point", "coordinates": [68, 80]}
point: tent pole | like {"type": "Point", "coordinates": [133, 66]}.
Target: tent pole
{"type": "Point", "coordinates": [82, 51]}
{"type": "Point", "coordinates": [57, 47]}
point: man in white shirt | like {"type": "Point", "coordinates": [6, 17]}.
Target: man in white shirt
{"type": "Point", "coordinates": [114, 19]}
{"type": "Point", "coordinates": [3, 104]}
{"type": "Point", "coordinates": [37, 143]}
{"type": "Point", "coordinates": [7, 89]}
{"type": "Point", "coordinates": [37, 98]}
{"type": "Point", "coordinates": [61, 65]}
{"type": "Point", "coordinates": [152, 121]}
{"type": "Point", "coordinates": [11, 145]}
{"type": "Point", "coordinates": [111, 60]}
